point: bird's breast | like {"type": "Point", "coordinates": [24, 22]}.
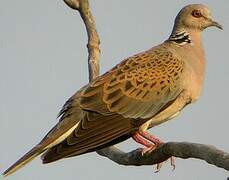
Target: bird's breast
{"type": "Point", "coordinates": [195, 73]}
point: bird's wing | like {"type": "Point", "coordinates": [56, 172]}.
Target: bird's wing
{"type": "Point", "coordinates": [135, 90]}
{"type": "Point", "coordinates": [94, 132]}
{"type": "Point", "coordinates": [138, 87]}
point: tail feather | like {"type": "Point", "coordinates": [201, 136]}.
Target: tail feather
{"type": "Point", "coordinates": [71, 115]}
{"type": "Point", "coordinates": [34, 152]}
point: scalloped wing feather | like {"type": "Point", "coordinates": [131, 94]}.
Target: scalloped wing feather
{"type": "Point", "coordinates": [138, 87]}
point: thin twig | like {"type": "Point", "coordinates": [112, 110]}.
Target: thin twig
{"type": "Point", "coordinates": [74, 4]}
{"type": "Point", "coordinates": [93, 38]}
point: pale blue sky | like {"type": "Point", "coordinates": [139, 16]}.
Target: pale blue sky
{"type": "Point", "coordinates": [44, 61]}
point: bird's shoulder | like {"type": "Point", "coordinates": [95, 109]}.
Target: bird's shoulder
{"type": "Point", "coordinates": [146, 65]}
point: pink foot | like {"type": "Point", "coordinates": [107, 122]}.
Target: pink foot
{"type": "Point", "coordinates": [151, 142]}
{"type": "Point", "coordinates": [172, 163]}
{"type": "Point", "coordinates": [148, 149]}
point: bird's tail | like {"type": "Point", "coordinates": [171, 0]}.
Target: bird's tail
{"type": "Point", "coordinates": [29, 156]}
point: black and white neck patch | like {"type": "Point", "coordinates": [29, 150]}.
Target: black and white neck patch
{"type": "Point", "coordinates": [181, 38]}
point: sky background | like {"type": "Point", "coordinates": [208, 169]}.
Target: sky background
{"type": "Point", "coordinates": [43, 61]}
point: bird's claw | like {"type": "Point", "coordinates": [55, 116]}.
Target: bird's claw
{"type": "Point", "coordinates": [172, 163]}
{"type": "Point", "coordinates": [158, 167]}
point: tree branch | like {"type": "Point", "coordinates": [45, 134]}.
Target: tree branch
{"type": "Point", "coordinates": [184, 150]}
{"type": "Point", "coordinates": [178, 149]}
{"type": "Point", "coordinates": [93, 38]}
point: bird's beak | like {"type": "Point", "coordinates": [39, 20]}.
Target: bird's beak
{"type": "Point", "coordinates": [216, 24]}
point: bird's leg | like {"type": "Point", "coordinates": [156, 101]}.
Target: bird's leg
{"type": "Point", "coordinates": [139, 139]}
{"type": "Point", "coordinates": [150, 142]}
{"type": "Point", "coordinates": [150, 137]}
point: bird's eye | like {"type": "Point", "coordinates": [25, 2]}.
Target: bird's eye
{"type": "Point", "coordinates": [196, 13]}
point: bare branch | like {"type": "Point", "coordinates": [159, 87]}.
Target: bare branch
{"type": "Point", "coordinates": [93, 38]}
{"type": "Point", "coordinates": [183, 150]}
{"type": "Point", "coordinates": [74, 4]}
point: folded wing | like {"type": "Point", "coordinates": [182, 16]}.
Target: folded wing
{"type": "Point", "coordinates": [118, 102]}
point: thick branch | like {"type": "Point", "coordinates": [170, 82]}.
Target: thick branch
{"type": "Point", "coordinates": [183, 150]}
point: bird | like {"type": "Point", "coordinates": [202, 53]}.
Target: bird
{"type": "Point", "coordinates": [142, 91]}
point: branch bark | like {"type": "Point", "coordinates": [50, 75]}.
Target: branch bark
{"type": "Point", "coordinates": [82, 6]}
{"type": "Point", "coordinates": [183, 150]}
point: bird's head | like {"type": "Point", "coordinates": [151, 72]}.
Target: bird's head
{"type": "Point", "coordinates": [195, 17]}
